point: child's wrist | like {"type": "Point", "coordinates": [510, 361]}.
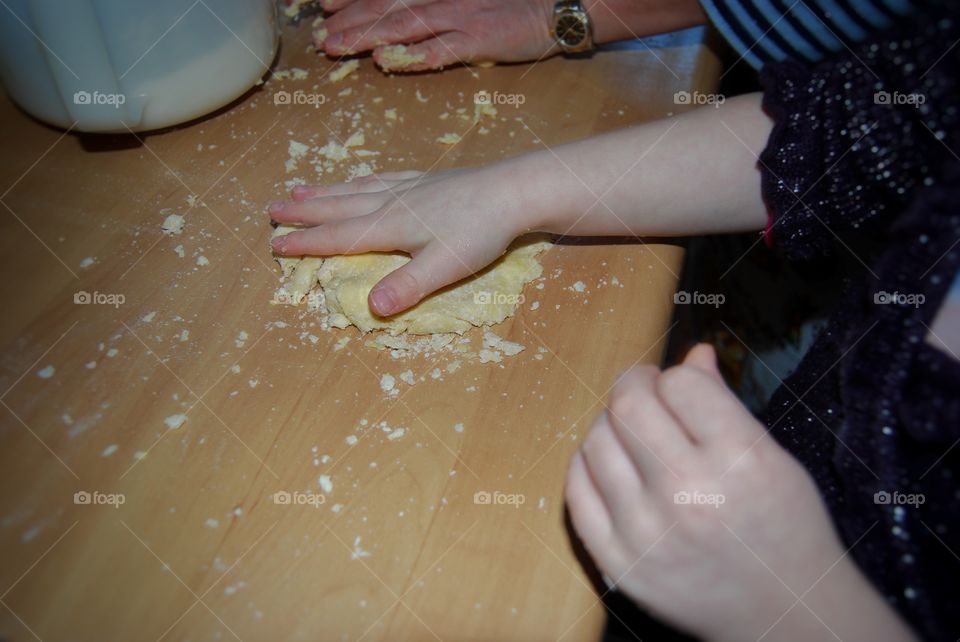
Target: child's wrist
{"type": "Point", "coordinates": [538, 196]}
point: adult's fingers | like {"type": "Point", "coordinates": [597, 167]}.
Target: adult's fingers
{"type": "Point", "coordinates": [404, 24]}
{"type": "Point", "coordinates": [446, 49]}
{"type": "Point", "coordinates": [352, 13]}
{"type": "Point", "coordinates": [349, 236]}
{"type": "Point", "coordinates": [337, 5]}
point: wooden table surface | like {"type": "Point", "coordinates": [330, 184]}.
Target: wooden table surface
{"type": "Point", "coordinates": [198, 550]}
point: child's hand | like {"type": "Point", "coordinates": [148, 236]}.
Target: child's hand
{"type": "Point", "coordinates": [452, 223]}
{"type": "Point", "coordinates": [694, 512]}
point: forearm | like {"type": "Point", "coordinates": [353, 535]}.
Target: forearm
{"type": "Point", "coordinates": [845, 605]}
{"type": "Point", "coordinates": [693, 174]}
{"type": "Point", "coordinates": [624, 19]}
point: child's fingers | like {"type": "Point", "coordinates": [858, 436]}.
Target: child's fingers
{"type": "Point", "coordinates": [446, 49]}
{"type": "Point", "coordinates": [587, 511]}
{"type": "Point", "coordinates": [612, 470]}
{"type": "Point", "coordinates": [362, 185]}
{"type": "Point", "coordinates": [399, 176]}
{"type": "Point", "coordinates": [402, 25]}
{"type": "Point", "coordinates": [651, 435]}
{"type": "Point", "coordinates": [430, 270]}
{"type": "Point", "coordinates": [704, 357]}
{"type": "Point", "coordinates": [306, 192]}
{"type": "Point", "coordinates": [328, 208]}
{"type": "Point", "coordinates": [349, 236]}
{"type": "Point", "coordinates": [705, 407]}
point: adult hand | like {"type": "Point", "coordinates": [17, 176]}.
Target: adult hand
{"type": "Point", "coordinates": [443, 32]}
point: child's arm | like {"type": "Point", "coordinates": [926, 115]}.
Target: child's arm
{"type": "Point", "coordinates": [696, 513]}
{"type": "Point", "coordinates": [692, 174]}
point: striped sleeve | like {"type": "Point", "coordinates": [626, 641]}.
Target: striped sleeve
{"type": "Point", "coordinates": [764, 31]}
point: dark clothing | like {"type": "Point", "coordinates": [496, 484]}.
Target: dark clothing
{"type": "Point", "coordinates": [847, 171]}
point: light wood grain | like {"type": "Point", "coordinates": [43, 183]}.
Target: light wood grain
{"type": "Point", "coordinates": [440, 566]}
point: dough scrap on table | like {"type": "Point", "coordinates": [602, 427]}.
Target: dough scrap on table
{"type": "Point", "coordinates": [300, 272]}
{"type": "Point", "coordinates": [485, 298]}
{"type": "Point", "coordinates": [393, 57]}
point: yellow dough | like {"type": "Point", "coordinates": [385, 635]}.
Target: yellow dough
{"type": "Point", "coordinates": [300, 271]}
{"type": "Point", "coordinates": [486, 298]}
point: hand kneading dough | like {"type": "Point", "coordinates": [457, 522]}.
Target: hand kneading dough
{"type": "Point", "coordinates": [485, 298]}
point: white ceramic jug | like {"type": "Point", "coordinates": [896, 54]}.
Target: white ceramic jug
{"type": "Point", "coordinates": [114, 65]}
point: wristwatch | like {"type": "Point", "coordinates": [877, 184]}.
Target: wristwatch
{"type": "Point", "coordinates": [571, 27]}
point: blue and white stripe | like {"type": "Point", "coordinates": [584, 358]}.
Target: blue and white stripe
{"type": "Point", "coordinates": [772, 30]}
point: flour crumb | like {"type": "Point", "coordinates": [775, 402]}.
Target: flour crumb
{"type": "Point", "coordinates": [172, 225]}
{"type": "Point", "coordinates": [46, 372]}
{"type": "Point", "coordinates": [449, 139]}
{"type": "Point", "coordinates": [325, 483]}
{"type": "Point", "coordinates": [344, 70]}
{"type": "Point", "coordinates": [358, 552]}
{"type": "Point", "coordinates": [356, 139]}
{"type": "Point", "coordinates": [387, 382]}
{"type": "Point", "coordinates": [175, 421]}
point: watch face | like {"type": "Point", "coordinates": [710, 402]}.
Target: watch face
{"type": "Point", "coordinates": [571, 29]}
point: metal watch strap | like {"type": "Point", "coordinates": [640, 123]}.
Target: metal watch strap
{"type": "Point", "coordinates": [572, 28]}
